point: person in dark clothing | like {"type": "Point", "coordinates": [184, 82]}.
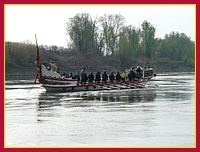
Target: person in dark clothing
{"type": "Point", "coordinates": [130, 76]}
{"type": "Point", "coordinates": [91, 78]}
{"type": "Point", "coordinates": [84, 78]}
{"type": "Point", "coordinates": [71, 75]}
{"type": "Point", "coordinates": [98, 77]}
{"type": "Point", "coordinates": [118, 77]}
{"type": "Point", "coordinates": [77, 76]}
{"type": "Point", "coordinates": [111, 77]}
{"type": "Point", "coordinates": [104, 77]}
{"type": "Point", "coordinates": [134, 75]}
{"type": "Point", "coordinates": [139, 72]}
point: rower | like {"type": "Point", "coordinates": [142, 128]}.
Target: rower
{"type": "Point", "coordinates": [123, 76]}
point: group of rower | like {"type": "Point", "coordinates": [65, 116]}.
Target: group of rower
{"type": "Point", "coordinates": [134, 73]}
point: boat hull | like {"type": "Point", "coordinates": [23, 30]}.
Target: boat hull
{"type": "Point", "coordinates": [141, 83]}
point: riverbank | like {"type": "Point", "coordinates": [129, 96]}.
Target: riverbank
{"type": "Point", "coordinates": [160, 66]}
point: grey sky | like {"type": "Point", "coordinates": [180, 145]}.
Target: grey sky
{"type": "Point", "coordinates": [22, 22]}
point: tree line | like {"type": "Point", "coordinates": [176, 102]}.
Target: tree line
{"type": "Point", "coordinates": [106, 41]}
{"type": "Point", "coordinates": [108, 35]}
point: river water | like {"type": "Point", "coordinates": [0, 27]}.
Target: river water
{"type": "Point", "coordinates": [162, 114]}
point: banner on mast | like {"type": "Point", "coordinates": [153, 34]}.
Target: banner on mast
{"type": "Point", "coordinates": [142, 59]}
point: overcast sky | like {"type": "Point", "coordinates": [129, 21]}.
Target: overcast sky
{"type": "Point", "coordinates": [22, 22]}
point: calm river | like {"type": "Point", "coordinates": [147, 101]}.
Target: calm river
{"type": "Point", "coordinates": [162, 114]}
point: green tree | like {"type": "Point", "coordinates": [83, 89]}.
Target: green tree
{"type": "Point", "coordinates": [98, 37]}
{"type": "Point", "coordinates": [111, 25]}
{"type": "Point", "coordinates": [128, 44]}
{"type": "Point", "coordinates": [81, 31]}
{"type": "Point", "coordinates": [148, 39]}
{"type": "Point", "coordinates": [176, 46]}
{"type": "Point", "coordinates": [129, 41]}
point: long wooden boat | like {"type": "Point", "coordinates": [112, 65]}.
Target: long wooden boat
{"type": "Point", "coordinates": [52, 79]}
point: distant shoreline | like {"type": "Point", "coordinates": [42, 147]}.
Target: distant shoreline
{"type": "Point", "coordinates": [18, 74]}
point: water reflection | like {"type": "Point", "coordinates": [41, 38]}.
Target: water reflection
{"type": "Point", "coordinates": [177, 96]}
{"type": "Point", "coordinates": [124, 96]}
{"type": "Point", "coordinates": [47, 100]}
{"type": "Point", "coordinates": [51, 105]}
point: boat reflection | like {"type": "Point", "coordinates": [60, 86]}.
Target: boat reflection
{"type": "Point", "coordinates": [58, 99]}
{"type": "Point", "coordinates": [50, 104]}
{"type": "Point", "coordinates": [48, 100]}
{"type": "Point", "coordinates": [123, 96]}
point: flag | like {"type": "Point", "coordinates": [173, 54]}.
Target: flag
{"type": "Point", "coordinates": [142, 59]}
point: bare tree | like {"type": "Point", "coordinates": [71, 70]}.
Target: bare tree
{"type": "Point", "coordinates": [111, 25]}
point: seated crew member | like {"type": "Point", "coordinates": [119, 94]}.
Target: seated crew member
{"type": "Point", "coordinates": [123, 76]}
{"type": "Point", "coordinates": [111, 77]}
{"type": "Point", "coordinates": [104, 77]}
{"type": "Point", "coordinates": [118, 77]}
{"type": "Point", "coordinates": [91, 78]}
{"type": "Point", "coordinates": [98, 77]}
{"type": "Point", "coordinates": [130, 76]}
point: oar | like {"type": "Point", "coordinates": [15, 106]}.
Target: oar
{"type": "Point", "coordinates": [137, 84]}
{"type": "Point", "coordinates": [118, 85]}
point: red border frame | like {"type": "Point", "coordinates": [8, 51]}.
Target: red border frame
{"type": "Point", "coordinates": [2, 149]}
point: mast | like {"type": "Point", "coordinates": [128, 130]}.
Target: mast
{"type": "Point", "coordinates": [37, 61]}
{"type": "Point", "coordinates": [37, 52]}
